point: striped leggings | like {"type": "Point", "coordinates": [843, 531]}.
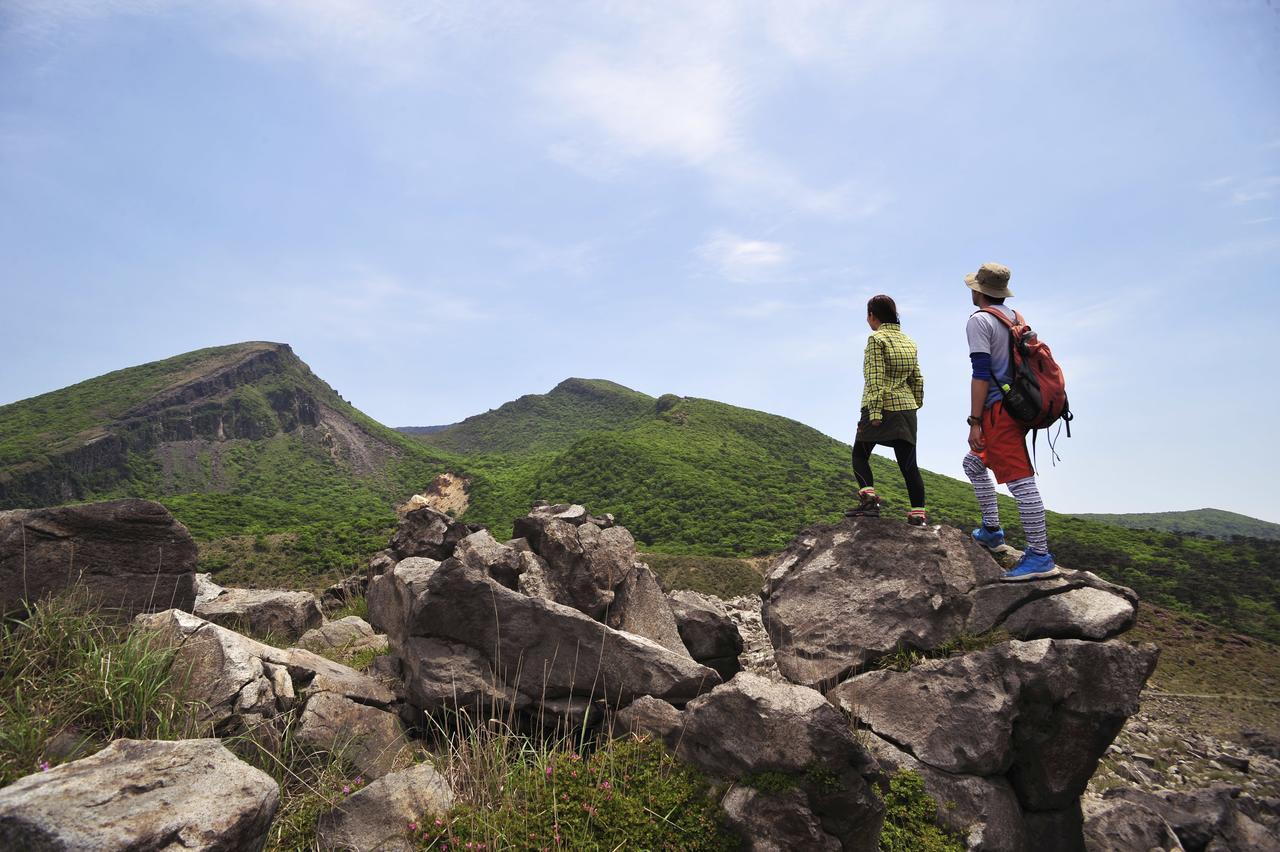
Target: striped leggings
{"type": "Point", "coordinates": [1025, 493]}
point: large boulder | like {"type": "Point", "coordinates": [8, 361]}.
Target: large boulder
{"type": "Point", "coordinates": [843, 596]}
{"type": "Point", "coordinates": [585, 563]}
{"type": "Point", "coordinates": [1040, 713]}
{"type": "Point", "coordinates": [281, 614]}
{"type": "Point", "coordinates": [392, 596]}
{"type": "Point", "coordinates": [707, 631]}
{"type": "Point", "coordinates": [369, 738]}
{"type": "Point", "coordinates": [377, 817]}
{"type": "Point", "coordinates": [429, 533]}
{"type": "Point", "coordinates": [1205, 820]}
{"type": "Point", "coordinates": [349, 635]}
{"type": "Point", "coordinates": [775, 821]}
{"type": "Point", "coordinates": [142, 795]}
{"type": "Point", "coordinates": [451, 676]}
{"type": "Point", "coordinates": [752, 725]}
{"type": "Point", "coordinates": [129, 554]}
{"type": "Point", "coordinates": [546, 650]}
{"type": "Point", "coordinates": [640, 607]}
{"type": "Point", "coordinates": [1118, 825]}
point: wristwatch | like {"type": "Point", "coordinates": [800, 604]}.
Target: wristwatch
{"type": "Point", "coordinates": [973, 421]}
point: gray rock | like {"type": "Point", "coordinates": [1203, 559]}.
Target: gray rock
{"type": "Point", "coordinates": [428, 533]}
{"type": "Point", "coordinates": [982, 810]}
{"type": "Point", "coordinates": [1055, 831]}
{"type": "Point", "coordinates": [393, 595]}
{"type": "Point", "coordinates": [279, 613]}
{"type": "Point", "coordinates": [442, 675]}
{"type": "Point", "coordinates": [569, 717]}
{"type": "Point", "coordinates": [1118, 825]}
{"type": "Point", "coordinates": [1043, 711]}
{"type": "Point", "coordinates": [480, 552]}
{"type": "Point", "coordinates": [842, 596]}
{"type": "Point", "coordinates": [129, 554]}
{"type": "Point", "coordinates": [1199, 817]}
{"type": "Point", "coordinates": [1083, 613]}
{"type": "Point", "coordinates": [585, 564]}
{"type": "Point", "coordinates": [369, 738]}
{"type": "Point", "coordinates": [649, 717]}
{"type": "Point", "coordinates": [142, 795]}
{"type": "Point", "coordinates": [546, 650]}
{"type": "Point", "coordinates": [752, 724]}
{"type": "Point", "coordinates": [377, 817]}
{"type": "Point", "coordinates": [775, 822]}
{"type": "Point", "coordinates": [344, 591]}
{"type": "Point", "coordinates": [349, 635]}
{"type": "Point", "coordinates": [708, 632]}
{"type": "Point", "coordinates": [533, 579]}
{"type": "Point", "coordinates": [640, 607]}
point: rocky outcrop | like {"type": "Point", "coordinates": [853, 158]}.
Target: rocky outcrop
{"type": "Point", "coordinates": [707, 631]}
{"type": "Point", "coordinates": [1038, 715]}
{"type": "Point", "coordinates": [142, 795]}
{"type": "Point", "coordinates": [244, 686]}
{"type": "Point", "coordinates": [1118, 825]}
{"type": "Point", "coordinates": [1212, 819]}
{"type": "Point", "coordinates": [751, 726]}
{"type": "Point", "coordinates": [348, 636]}
{"type": "Point", "coordinates": [127, 554]}
{"type": "Point", "coordinates": [842, 596]}
{"type": "Point", "coordinates": [377, 817]}
{"type": "Point", "coordinates": [281, 614]}
{"type": "Point", "coordinates": [428, 533]}
{"type": "Point", "coordinates": [369, 738]}
{"type": "Point", "coordinates": [536, 647]}
{"type": "Point", "coordinates": [775, 821]}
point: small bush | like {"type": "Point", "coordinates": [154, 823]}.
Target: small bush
{"type": "Point", "coordinates": [909, 819]}
{"type": "Point", "coordinates": [628, 794]}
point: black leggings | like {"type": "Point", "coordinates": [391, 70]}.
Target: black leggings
{"type": "Point", "coordinates": [905, 453]}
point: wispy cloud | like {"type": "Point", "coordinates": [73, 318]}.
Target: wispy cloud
{"type": "Point", "coordinates": [760, 310]}
{"type": "Point", "coordinates": [740, 259]}
{"type": "Point", "coordinates": [1245, 190]}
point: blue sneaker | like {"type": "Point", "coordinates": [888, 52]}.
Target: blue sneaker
{"type": "Point", "coordinates": [1032, 566]}
{"type": "Point", "coordinates": [989, 539]}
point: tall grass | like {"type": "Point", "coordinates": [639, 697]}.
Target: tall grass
{"type": "Point", "coordinates": [73, 677]}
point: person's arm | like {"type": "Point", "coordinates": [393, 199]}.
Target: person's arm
{"type": "Point", "coordinates": [977, 403]}
{"type": "Point", "coordinates": [978, 332]}
{"type": "Point", "coordinates": [873, 376]}
{"type": "Point", "coordinates": [917, 385]}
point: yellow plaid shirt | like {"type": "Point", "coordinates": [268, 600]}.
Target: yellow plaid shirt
{"type": "Point", "coordinates": [891, 373]}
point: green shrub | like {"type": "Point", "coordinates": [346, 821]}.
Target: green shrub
{"type": "Point", "coordinates": [628, 794]}
{"type": "Point", "coordinates": [909, 819]}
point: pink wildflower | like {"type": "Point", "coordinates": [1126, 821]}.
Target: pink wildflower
{"type": "Point", "coordinates": [548, 771]}
{"type": "Point", "coordinates": [346, 788]}
{"type": "Point", "coordinates": [359, 780]}
{"type": "Point", "coordinates": [413, 826]}
{"type": "Point", "coordinates": [605, 785]}
{"type": "Point", "coordinates": [438, 821]}
{"type": "Point", "coordinates": [44, 766]}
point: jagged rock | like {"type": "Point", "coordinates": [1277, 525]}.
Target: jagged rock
{"type": "Point", "coordinates": [651, 717]}
{"type": "Point", "coordinates": [982, 810]}
{"type": "Point", "coordinates": [382, 562]}
{"type": "Point", "coordinates": [280, 613]}
{"type": "Point", "coordinates": [544, 649]}
{"type": "Point", "coordinates": [640, 607]}
{"type": "Point", "coordinates": [239, 683]}
{"type": "Point", "coordinates": [775, 822]}
{"type": "Point", "coordinates": [369, 738]}
{"type": "Point", "coordinates": [1118, 825]}
{"type": "Point", "coordinates": [429, 533]}
{"type": "Point", "coordinates": [1043, 712]}
{"type": "Point", "coordinates": [585, 563]}
{"type": "Point", "coordinates": [377, 817]}
{"type": "Point", "coordinates": [1074, 605]}
{"type": "Point", "coordinates": [142, 795]}
{"type": "Point", "coordinates": [841, 596]}
{"type": "Point", "coordinates": [707, 631]}
{"type": "Point", "coordinates": [752, 724]}
{"type": "Point", "coordinates": [129, 554]}
{"type": "Point", "coordinates": [442, 675]}
{"type": "Point", "coordinates": [481, 552]}
{"type": "Point", "coordinates": [349, 635]}
{"type": "Point", "coordinates": [344, 591]}
{"type": "Point", "coordinates": [1206, 819]}
{"type": "Point", "coordinates": [533, 579]}
{"type": "Point", "coordinates": [392, 596]}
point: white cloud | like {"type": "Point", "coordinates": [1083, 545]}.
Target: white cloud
{"type": "Point", "coordinates": [760, 310]}
{"type": "Point", "coordinates": [739, 259]}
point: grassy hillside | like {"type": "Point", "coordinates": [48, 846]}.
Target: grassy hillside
{"type": "Point", "coordinates": [238, 441]}
{"type": "Point", "coordinates": [1206, 522]}
{"type": "Point", "coordinates": [693, 476]}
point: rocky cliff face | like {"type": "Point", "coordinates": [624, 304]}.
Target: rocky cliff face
{"type": "Point", "coordinates": [176, 435]}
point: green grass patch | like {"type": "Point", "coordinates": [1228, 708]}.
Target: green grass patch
{"type": "Point", "coordinates": [909, 819]}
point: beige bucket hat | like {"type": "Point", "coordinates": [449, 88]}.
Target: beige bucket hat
{"type": "Point", "coordinates": [991, 279]}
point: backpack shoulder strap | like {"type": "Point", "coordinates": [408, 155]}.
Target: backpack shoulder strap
{"type": "Point", "coordinates": [1008, 323]}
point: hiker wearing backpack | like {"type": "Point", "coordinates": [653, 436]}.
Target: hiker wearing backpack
{"type": "Point", "coordinates": [1016, 386]}
{"type": "Point", "coordinates": [893, 388]}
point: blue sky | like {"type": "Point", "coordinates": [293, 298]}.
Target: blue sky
{"type": "Point", "coordinates": [443, 206]}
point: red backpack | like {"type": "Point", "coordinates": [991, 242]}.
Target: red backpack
{"type": "Point", "coordinates": [1036, 396]}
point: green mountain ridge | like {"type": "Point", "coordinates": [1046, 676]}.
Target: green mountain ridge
{"type": "Point", "coordinates": [274, 473]}
{"type": "Point", "coordinates": [1218, 523]}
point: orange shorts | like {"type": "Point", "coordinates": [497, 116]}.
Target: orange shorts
{"type": "Point", "coordinates": [1004, 450]}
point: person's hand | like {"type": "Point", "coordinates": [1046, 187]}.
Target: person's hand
{"type": "Point", "coordinates": [975, 438]}
{"type": "Point", "coordinates": [875, 422]}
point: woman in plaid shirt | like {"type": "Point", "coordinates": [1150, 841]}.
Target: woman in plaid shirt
{"type": "Point", "coordinates": [893, 389]}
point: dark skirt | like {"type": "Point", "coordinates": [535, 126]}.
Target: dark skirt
{"type": "Point", "coordinates": [894, 426]}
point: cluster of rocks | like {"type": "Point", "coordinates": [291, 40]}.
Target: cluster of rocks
{"type": "Point", "coordinates": [874, 647]}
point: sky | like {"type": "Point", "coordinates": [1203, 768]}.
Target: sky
{"type": "Point", "coordinates": [442, 206]}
